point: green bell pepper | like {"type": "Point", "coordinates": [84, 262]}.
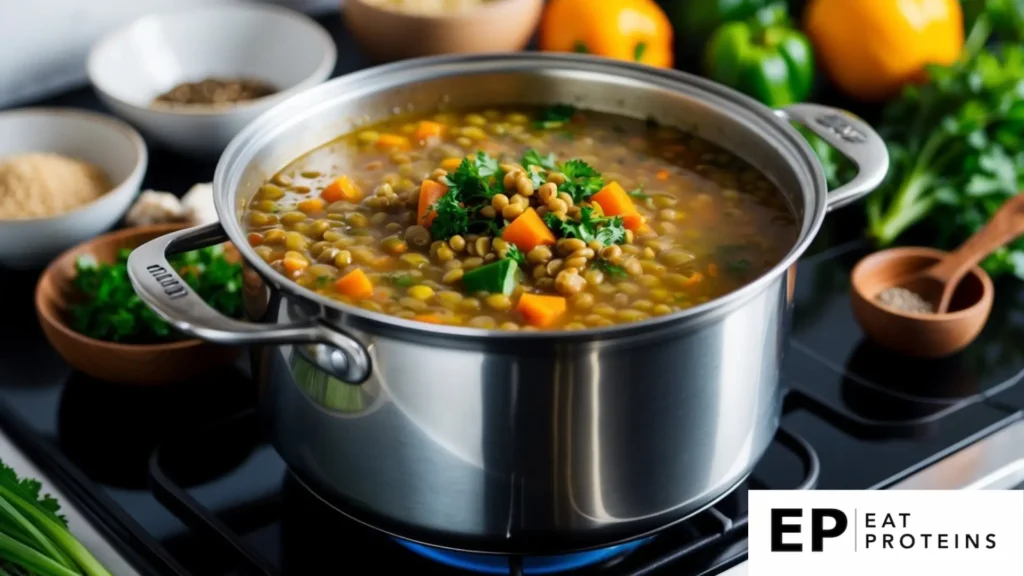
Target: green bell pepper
{"type": "Point", "coordinates": [694, 21]}
{"type": "Point", "coordinates": [772, 63]}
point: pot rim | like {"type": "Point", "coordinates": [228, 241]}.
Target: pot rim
{"type": "Point", "coordinates": [240, 151]}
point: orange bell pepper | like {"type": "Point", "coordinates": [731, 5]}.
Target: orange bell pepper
{"type": "Point", "coordinates": [633, 30]}
{"type": "Point", "coordinates": [871, 49]}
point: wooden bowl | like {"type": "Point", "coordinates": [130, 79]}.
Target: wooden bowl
{"type": "Point", "coordinates": [140, 364]}
{"type": "Point", "coordinates": [911, 334]}
{"type": "Point", "coordinates": [495, 26]}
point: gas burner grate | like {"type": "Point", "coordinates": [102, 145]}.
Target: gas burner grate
{"type": "Point", "coordinates": [720, 526]}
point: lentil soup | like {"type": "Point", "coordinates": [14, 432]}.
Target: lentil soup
{"type": "Point", "coordinates": [520, 218]}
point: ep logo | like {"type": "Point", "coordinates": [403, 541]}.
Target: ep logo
{"type": "Point", "coordinates": [825, 523]}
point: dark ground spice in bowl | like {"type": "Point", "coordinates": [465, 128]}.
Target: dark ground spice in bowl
{"type": "Point", "coordinates": [215, 91]}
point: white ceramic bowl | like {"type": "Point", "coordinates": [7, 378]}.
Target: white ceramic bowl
{"type": "Point", "coordinates": [134, 64]}
{"type": "Point", "coordinates": [107, 142]}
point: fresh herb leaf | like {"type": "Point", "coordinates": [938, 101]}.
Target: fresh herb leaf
{"type": "Point", "coordinates": [555, 117]}
{"type": "Point", "coordinates": [535, 164]}
{"type": "Point", "coordinates": [111, 311]}
{"type": "Point", "coordinates": [533, 158]}
{"type": "Point", "coordinates": [474, 178]}
{"type": "Point", "coordinates": [613, 231]}
{"type": "Point", "coordinates": [514, 253]}
{"type": "Point", "coordinates": [638, 192]}
{"type": "Point", "coordinates": [451, 217]}
{"type": "Point", "coordinates": [608, 268]}
{"type": "Point", "coordinates": [581, 180]}
{"type": "Point", "coordinates": [472, 185]}
{"type": "Point", "coordinates": [495, 229]}
{"type": "Point", "coordinates": [738, 265]}
{"type": "Point", "coordinates": [401, 280]}
{"type": "Point", "coordinates": [323, 280]}
{"type": "Point", "coordinates": [536, 178]}
{"type": "Point", "coordinates": [28, 489]}
{"type": "Point", "coordinates": [639, 50]}
{"type": "Point", "coordinates": [606, 230]}
{"type": "Point", "coordinates": [580, 48]}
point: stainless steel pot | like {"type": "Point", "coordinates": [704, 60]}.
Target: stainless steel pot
{"type": "Point", "coordinates": [515, 442]}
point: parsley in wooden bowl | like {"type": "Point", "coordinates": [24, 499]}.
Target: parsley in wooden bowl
{"type": "Point", "coordinates": [93, 318]}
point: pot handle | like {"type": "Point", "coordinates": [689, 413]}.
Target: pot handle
{"type": "Point", "coordinates": [853, 138]}
{"type": "Point", "coordinates": [159, 286]}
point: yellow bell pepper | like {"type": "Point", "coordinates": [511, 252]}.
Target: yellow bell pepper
{"type": "Point", "coordinates": [633, 30]}
{"type": "Point", "coordinates": [872, 48]}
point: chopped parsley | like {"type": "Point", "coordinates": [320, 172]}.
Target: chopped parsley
{"type": "Point", "coordinates": [556, 116]}
{"type": "Point", "coordinates": [638, 192]}
{"type": "Point", "coordinates": [740, 265]}
{"type": "Point", "coordinates": [606, 230]}
{"type": "Point", "coordinates": [401, 280]}
{"type": "Point", "coordinates": [533, 158]}
{"type": "Point", "coordinates": [580, 48]}
{"type": "Point", "coordinates": [581, 180]}
{"type": "Point", "coordinates": [471, 187]}
{"type": "Point", "coordinates": [514, 253]}
{"type": "Point", "coordinates": [451, 217]}
{"type": "Point", "coordinates": [608, 268]}
{"type": "Point", "coordinates": [474, 178]}
{"type": "Point", "coordinates": [109, 309]}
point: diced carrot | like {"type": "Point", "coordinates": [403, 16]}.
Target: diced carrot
{"type": "Point", "coordinates": [451, 164]}
{"type": "Point", "coordinates": [712, 270]}
{"type": "Point", "coordinates": [662, 175]}
{"type": "Point", "coordinates": [310, 205]}
{"type": "Point", "coordinates": [393, 142]}
{"type": "Point", "coordinates": [614, 200]}
{"type": "Point", "coordinates": [429, 318]}
{"type": "Point", "coordinates": [427, 129]}
{"type": "Point", "coordinates": [430, 192]}
{"type": "Point", "coordinates": [634, 221]}
{"type": "Point", "coordinates": [342, 188]}
{"type": "Point", "coordinates": [355, 285]}
{"type": "Point", "coordinates": [693, 280]}
{"type": "Point", "coordinates": [541, 311]}
{"type": "Point", "coordinates": [254, 239]}
{"type": "Point", "coordinates": [528, 231]}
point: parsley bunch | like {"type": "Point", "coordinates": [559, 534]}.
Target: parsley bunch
{"type": "Point", "coordinates": [957, 144]}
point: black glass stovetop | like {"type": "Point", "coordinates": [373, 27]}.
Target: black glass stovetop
{"type": "Point", "coordinates": [183, 471]}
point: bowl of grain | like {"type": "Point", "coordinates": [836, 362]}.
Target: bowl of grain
{"type": "Point", "coordinates": [193, 78]}
{"type": "Point", "coordinates": [398, 29]}
{"type": "Point", "coordinates": [65, 176]}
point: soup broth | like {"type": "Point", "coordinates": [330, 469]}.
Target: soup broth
{"type": "Point", "coordinates": [520, 219]}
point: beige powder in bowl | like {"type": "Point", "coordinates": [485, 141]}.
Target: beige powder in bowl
{"type": "Point", "coordinates": [40, 185]}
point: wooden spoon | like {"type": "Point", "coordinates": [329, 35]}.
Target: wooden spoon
{"type": "Point", "coordinates": [938, 282]}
